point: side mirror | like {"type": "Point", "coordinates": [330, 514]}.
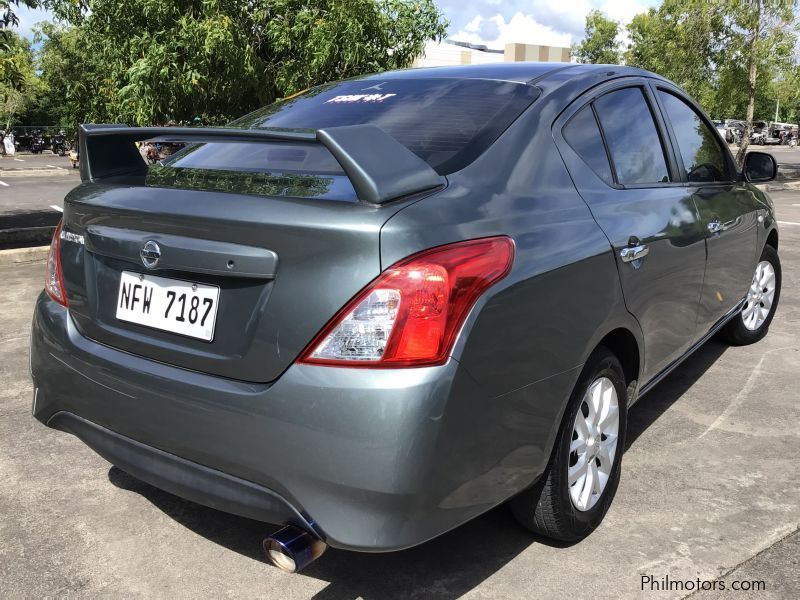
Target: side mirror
{"type": "Point", "coordinates": [759, 167]}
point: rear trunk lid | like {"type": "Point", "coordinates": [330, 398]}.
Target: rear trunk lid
{"type": "Point", "coordinates": [283, 267]}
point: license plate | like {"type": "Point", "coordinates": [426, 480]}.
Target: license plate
{"type": "Point", "coordinates": [172, 305]}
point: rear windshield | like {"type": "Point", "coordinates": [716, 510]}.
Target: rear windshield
{"type": "Point", "coordinates": [261, 169]}
{"type": "Point", "coordinates": [446, 122]}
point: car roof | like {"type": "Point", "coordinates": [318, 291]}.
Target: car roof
{"type": "Point", "coordinates": [519, 72]}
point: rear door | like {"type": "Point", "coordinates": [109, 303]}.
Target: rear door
{"type": "Point", "coordinates": [727, 209]}
{"type": "Point", "coordinates": [632, 185]}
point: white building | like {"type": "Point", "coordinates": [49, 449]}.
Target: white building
{"type": "Point", "coordinates": [449, 52]}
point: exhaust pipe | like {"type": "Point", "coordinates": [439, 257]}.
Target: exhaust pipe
{"type": "Point", "coordinates": [292, 549]}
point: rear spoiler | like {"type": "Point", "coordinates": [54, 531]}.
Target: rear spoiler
{"type": "Point", "coordinates": [379, 167]}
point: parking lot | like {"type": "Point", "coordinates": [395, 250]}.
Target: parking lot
{"type": "Point", "coordinates": [35, 182]}
{"type": "Point", "coordinates": [710, 490]}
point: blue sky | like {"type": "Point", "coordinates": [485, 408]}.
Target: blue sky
{"type": "Point", "coordinates": [497, 22]}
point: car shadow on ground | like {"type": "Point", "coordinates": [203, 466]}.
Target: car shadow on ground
{"type": "Point", "coordinates": [651, 406]}
{"type": "Point", "coordinates": [446, 567]}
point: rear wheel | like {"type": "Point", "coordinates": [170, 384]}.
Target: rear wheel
{"type": "Point", "coordinates": [753, 322]}
{"type": "Point", "coordinates": [575, 492]}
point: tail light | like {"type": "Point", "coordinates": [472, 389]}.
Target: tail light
{"type": "Point", "coordinates": [54, 280]}
{"type": "Point", "coordinates": [411, 314]}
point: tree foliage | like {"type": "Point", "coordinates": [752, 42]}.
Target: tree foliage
{"type": "Point", "coordinates": [600, 44]}
{"type": "Point", "coordinates": [8, 17]}
{"type": "Point", "coordinates": [18, 81]}
{"type": "Point", "coordinates": [12, 70]}
{"type": "Point", "coordinates": [154, 61]}
{"type": "Point", "coordinates": [681, 40]}
{"type": "Point", "coordinates": [712, 47]}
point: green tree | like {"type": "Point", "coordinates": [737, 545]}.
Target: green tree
{"type": "Point", "coordinates": [9, 73]}
{"type": "Point", "coordinates": [72, 79]}
{"type": "Point", "coordinates": [154, 61]}
{"type": "Point", "coordinates": [7, 15]}
{"type": "Point", "coordinates": [681, 40]}
{"type": "Point", "coordinates": [599, 45]}
{"type": "Point", "coordinates": [729, 55]}
{"type": "Point", "coordinates": [18, 81]}
{"type": "Point", "coordinates": [785, 95]}
{"type": "Point", "coordinates": [766, 37]}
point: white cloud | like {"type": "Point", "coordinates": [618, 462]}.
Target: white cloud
{"type": "Point", "coordinates": [519, 28]}
{"type": "Point", "coordinates": [624, 10]}
{"type": "Point", "coordinates": [548, 22]}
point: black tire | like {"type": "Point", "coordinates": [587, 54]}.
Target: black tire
{"type": "Point", "coordinates": [547, 508]}
{"type": "Point", "coordinates": [735, 332]}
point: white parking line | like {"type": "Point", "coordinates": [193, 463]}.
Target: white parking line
{"type": "Point", "coordinates": [795, 204]}
{"type": "Point", "coordinates": [779, 222]}
{"type": "Point", "coordinates": [4, 184]}
{"type": "Point", "coordinates": [55, 167]}
{"type": "Point", "coordinates": [56, 207]}
{"type": "Point", "coordinates": [19, 160]}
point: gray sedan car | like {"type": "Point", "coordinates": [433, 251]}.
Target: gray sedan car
{"type": "Point", "coordinates": [378, 309]}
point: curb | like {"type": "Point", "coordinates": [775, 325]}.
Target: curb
{"type": "Point", "coordinates": [23, 256]}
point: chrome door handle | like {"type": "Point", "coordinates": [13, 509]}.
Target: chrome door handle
{"type": "Point", "coordinates": [714, 226]}
{"type": "Point", "coordinates": [632, 253]}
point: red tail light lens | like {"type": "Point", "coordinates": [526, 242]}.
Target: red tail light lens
{"type": "Point", "coordinates": [411, 314]}
{"type": "Point", "coordinates": [54, 280]}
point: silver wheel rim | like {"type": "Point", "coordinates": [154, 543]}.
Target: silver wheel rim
{"type": "Point", "coordinates": [594, 444]}
{"type": "Point", "coordinates": [760, 296]}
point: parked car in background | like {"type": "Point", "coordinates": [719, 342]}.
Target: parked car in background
{"type": "Point", "coordinates": [780, 133]}
{"type": "Point", "coordinates": [759, 133]}
{"type": "Point", "coordinates": [734, 130]}
{"type": "Point", "coordinates": [383, 307]}
{"type": "Point", "coordinates": [721, 128]}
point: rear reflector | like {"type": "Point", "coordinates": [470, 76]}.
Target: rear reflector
{"type": "Point", "coordinates": [411, 314]}
{"type": "Point", "coordinates": [54, 280]}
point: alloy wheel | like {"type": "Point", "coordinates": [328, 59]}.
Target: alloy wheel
{"type": "Point", "coordinates": [594, 444]}
{"type": "Point", "coordinates": [760, 296]}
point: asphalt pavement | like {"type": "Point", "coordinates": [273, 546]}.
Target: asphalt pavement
{"type": "Point", "coordinates": [32, 190]}
{"type": "Point", "coordinates": [783, 154]}
{"type": "Point", "coordinates": [35, 182]}
{"type": "Point", "coordinates": [710, 492]}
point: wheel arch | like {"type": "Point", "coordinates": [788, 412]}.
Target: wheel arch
{"type": "Point", "coordinates": [772, 238]}
{"type": "Point", "coordinates": [623, 338]}
{"type": "Point", "coordinates": [623, 343]}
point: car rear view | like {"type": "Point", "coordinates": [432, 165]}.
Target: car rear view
{"type": "Point", "coordinates": [222, 325]}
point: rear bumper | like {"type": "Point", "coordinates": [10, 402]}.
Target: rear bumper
{"type": "Point", "coordinates": [182, 477]}
{"type": "Point", "coordinates": [370, 460]}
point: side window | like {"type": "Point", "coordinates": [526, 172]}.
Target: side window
{"type": "Point", "coordinates": [583, 136]}
{"type": "Point", "coordinates": [700, 150]}
{"type": "Point", "coordinates": [632, 137]}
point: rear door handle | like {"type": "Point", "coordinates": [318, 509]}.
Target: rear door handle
{"type": "Point", "coordinates": [632, 253]}
{"type": "Point", "coordinates": [714, 226]}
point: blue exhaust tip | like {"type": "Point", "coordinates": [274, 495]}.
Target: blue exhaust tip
{"type": "Point", "coordinates": [292, 549]}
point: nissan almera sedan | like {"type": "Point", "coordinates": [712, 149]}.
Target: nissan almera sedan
{"type": "Point", "coordinates": [377, 310]}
